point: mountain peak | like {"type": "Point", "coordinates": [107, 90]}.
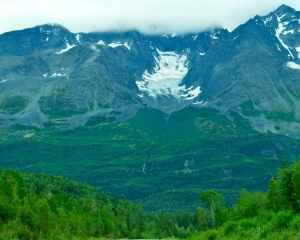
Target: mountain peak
{"type": "Point", "coordinates": [285, 9]}
{"type": "Point", "coordinates": [52, 26]}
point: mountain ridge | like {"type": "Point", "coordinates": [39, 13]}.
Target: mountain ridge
{"type": "Point", "coordinates": [127, 112]}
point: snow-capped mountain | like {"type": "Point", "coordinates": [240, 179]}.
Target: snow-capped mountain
{"type": "Point", "coordinates": [48, 73]}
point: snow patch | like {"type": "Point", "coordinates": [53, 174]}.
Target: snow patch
{"type": "Point", "coordinates": [118, 44]}
{"type": "Point", "coordinates": [202, 54]}
{"type": "Point", "coordinates": [278, 47]}
{"type": "Point", "coordinates": [78, 37]}
{"type": "Point", "coordinates": [267, 20]}
{"type": "Point", "coordinates": [279, 31]}
{"type": "Point", "coordinates": [298, 50]}
{"type": "Point", "coordinates": [170, 69]}
{"type": "Point", "coordinates": [100, 42]}
{"type": "Point", "coordinates": [57, 75]}
{"type": "Point", "coordinates": [214, 37]}
{"type": "Point", "coordinates": [3, 80]}
{"type": "Point", "coordinates": [287, 32]}
{"type": "Point", "coordinates": [293, 65]}
{"type": "Point", "coordinates": [66, 49]}
{"type": "Point", "coordinates": [195, 37]}
{"type": "Point", "coordinates": [45, 75]}
{"type": "Point", "coordinates": [279, 18]}
{"type": "Point", "coordinates": [201, 102]}
{"type": "Point", "coordinates": [236, 37]}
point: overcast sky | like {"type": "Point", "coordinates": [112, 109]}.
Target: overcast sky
{"type": "Point", "coordinates": [148, 16]}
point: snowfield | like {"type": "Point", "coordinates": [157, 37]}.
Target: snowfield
{"type": "Point", "coordinates": [166, 79]}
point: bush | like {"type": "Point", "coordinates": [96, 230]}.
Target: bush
{"type": "Point", "coordinates": [282, 219]}
{"type": "Point", "coordinates": [212, 235]}
{"type": "Point", "coordinates": [295, 223]}
{"type": "Point", "coordinates": [229, 228]}
{"type": "Point", "coordinates": [246, 224]}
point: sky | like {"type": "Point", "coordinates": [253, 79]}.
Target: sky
{"type": "Point", "coordinates": [147, 16]}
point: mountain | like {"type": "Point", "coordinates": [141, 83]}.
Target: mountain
{"type": "Point", "coordinates": [256, 71]}
{"type": "Point", "coordinates": [128, 112]}
{"type": "Point", "coordinates": [79, 76]}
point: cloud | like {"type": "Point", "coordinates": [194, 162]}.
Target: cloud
{"type": "Point", "coordinates": [148, 16]}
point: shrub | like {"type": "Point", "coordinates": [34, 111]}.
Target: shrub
{"type": "Point", "coordinates": [282, 219]}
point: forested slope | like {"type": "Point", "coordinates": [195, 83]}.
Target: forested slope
{"type": "Point", "coordinates": [39, 206]}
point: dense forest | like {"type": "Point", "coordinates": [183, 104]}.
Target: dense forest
{"type": "Point", "coordinates": [40, 206]}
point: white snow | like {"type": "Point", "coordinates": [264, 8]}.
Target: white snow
{"type": "Point", "coordinates": [298, 50]}
{"type": "Point", "coordinates": [47, 39]}
{"type": "Point", "coordinates": [126, 45]}
{"type": "Point", "coordinates": [3, 81]}
{"type": "Point", "coordinates": [267, 20]}
{"type": "Point", "coordinates": [214, 37]}
{"type": "Point", "coordinates": [170, 69]}
{"type": "Point", "coordinates": [293, 65]}
{"type": "Point", "coordinates": [201, 102]}
{"type": "Point", "coordinates": [278, 47]}
{"type": "Point", "coordinates": [202, 54]}
{"type": "Point", "coordinates": [195, 37]}
{"type": "Point", "coordinates": [236, 37]}
{"type": "Point", "coordinates": [174, 35]}
{"type": "Point", "coordinates": [100, 42]}
{"type": "Point", "coordinates": [287, 32]}
{"type": "Point", "coordinates": [58, 75]}
{"type": "Point", "coordinates": [118, 44]}
{"type": "Point", "coordinates": [66, 49]}
{"type": "Point", "coordinates": [279, 31]}
{"type": "Point", "coordinates": [78, 37]}
{"type": "Point", "coordinates": [279, 18]}
{"type": "Point", "coordinates": [45, 75]}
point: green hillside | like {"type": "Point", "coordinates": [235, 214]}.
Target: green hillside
{"type": "Point", "coordinates": [39, 206]}
{"type": "Point", "coordinates": [153, 158]}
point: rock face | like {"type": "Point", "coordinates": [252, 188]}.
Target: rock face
{"type": "Point", "coordinates": [48, 74]}
{"type": "Point", "coordinates": [255, 71]}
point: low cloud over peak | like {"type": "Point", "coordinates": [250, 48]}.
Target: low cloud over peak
{"type": "Point", "coordinates": [150, 16]}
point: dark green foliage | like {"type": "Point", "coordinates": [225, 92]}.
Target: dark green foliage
{"type": "Point", "coordinates": [60, 105]}
{"type": "Point", "coordinates": [13, 105]}
{"type": "Point", "coordinates": [274, 215]}
{"type": "Point", "coordinates": [282, 219]}
{"type": "Point", "coordinates": [93, 121]}
{"type": "Point", "coordinates": [189, 151]}
{"type": "Point", "coordinates": [212, 201]}
{"type": "Point", "coordinates": [249, 109]}
{"type": "Point", "coordinates": [114, 112]}
{"type": "Point", "coordinates": [40, 206]}
{"type": "Point", "coordinates": [249, 205]}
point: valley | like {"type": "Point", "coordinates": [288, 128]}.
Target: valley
{"type": "Point", "coordinates": [154, 158]}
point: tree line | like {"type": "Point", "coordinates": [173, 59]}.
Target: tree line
{"type": "Point", "coordinates": [40, 206]}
